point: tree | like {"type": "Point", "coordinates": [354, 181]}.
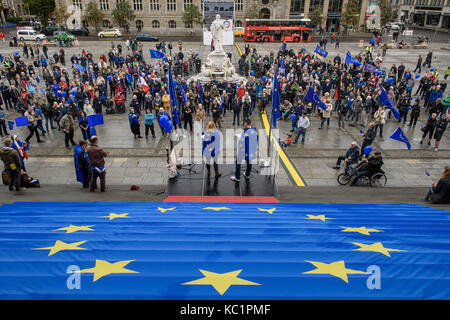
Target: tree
{"type": "Point", "coordinates": [93, 15]}
{"type": "Point", "coordinates": [350, 13]}
{"type": "Point", "coordinates": [123, 13]}
{"type": "Point", "coordinates": [252, 12]}
{"type": "Point", "coordinates": [61, 14]}
{"type": "Point", "coordinates": [316, 17]}
{"type": "Point", "coordinates": [386, 12]}
{"type": "Point", "coordinates": [192, 15]}
{"type": "Point", "coordinates": [42, 8]}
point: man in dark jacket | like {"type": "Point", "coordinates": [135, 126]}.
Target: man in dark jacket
{"type": "Point", "coordinates": [369, 136]}
{"type": "Point", "coordinates": [429, 128]}
{"type": "Point", "coordinates": [96, 160]}
{"type": "Point", "coordinates": [440, 191]}
{"type": "Point", "coordinates": [372, 165]}
{"type": "Point", "coordinates": [350, 157]}
{"type": "Point", "coordinates": [11, 160]}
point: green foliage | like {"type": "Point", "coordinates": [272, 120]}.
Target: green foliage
{"type": "Point", "coordinates": [123, 13]}
{"type": "Point", "coordinates": [350, 13]}
{"type": "Point", "coordinates": [192, 15]}
{"type": "Point", "coordinates": [316, 16]}
{"type": "Point", "coordinates": [41, 8]}
{"type": "Point", "coordinates": [93, 15]}
{"type": "Point", "coordinates": [385, 12]}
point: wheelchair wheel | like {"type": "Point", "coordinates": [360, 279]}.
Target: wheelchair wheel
{"type": "Point", "coordinates": [378, 180]}
{"type": "Point", "coordinates": [343, 178]}
{"type": "Point", "coordinates": [364, 181]}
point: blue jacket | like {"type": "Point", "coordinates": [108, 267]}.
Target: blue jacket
{"type": "Point", "coordinates": [352, 153]}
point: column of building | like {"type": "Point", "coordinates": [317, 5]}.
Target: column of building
{"type": "Point", "coordinates": [326, 4]}
{"type": "Point", "coordinates": [362, 14]}
{"type": "Point", "coordinates": [307, 4]}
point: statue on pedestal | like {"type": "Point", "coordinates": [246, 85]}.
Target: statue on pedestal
{"type": "Point", "coordinates": [216, 32]}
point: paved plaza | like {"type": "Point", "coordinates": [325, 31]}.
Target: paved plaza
{"type": "Point", "coordinates": [143, 161]}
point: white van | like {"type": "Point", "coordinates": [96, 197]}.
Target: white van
{"type": "Point", "coordinates": [29, 35]}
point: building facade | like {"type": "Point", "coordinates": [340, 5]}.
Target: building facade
{"type": "Point", "coordinates": [164, 17]}
{"type": "Point", "coordinates": [433, 14]}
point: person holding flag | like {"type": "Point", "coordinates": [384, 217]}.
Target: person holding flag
{"type": "Point", "coordinates": [133, 119]}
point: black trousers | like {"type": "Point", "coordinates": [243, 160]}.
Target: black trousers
{"type": "Point", "coordinates": [413, 120]}
{"type": "Point", "coordinates": [68, 137]}
{"type": "Point", "coordinates": [14, 179]}
{"type": "Point", "coordinates": [186, 121]}
{"type": "Point", "coordinates": [152, 129]}
{"type": "Point", "coordinates": [86, 177]}
{"type": "Point", "coordinates": [33, 130]}
{"type": "Point", "coordinates": [93, 183]}
{"type": "Point", "coordinates": [3, 130]}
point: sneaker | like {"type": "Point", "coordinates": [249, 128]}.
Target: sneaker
{"type": "Point", "coordinates": [337, 167]}
{"type": "Point", "coordinates": [234, 179]}
{"type": "Point", "coordinates": [343, 130]}
{"type": "Point", "coordinates": [429, 143]}
{"type": "Point", "coordinates": [245, 176]}
{"type": "Point", "coordinates": [421, 142]}
{"type": "Point", "coordinates": [436, 149]}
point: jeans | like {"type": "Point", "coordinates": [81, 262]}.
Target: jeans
{"type": "Point", "coordinates": [248, 170]}
{"type": "Point", "coordinates": [51, 123]}
{"type": "Point", "coordinates": [341, 121]}
{"type": "Point", "coordinates": [356, 114]}
{"type": "Point", "coordinates": [301, 132]}
{"type": "Point", "coordinates": [381, 125]}
{"type": "Point", "coordinates": [33, 130]}
{"type": "Point", "coordinates": [94, 175]}
{"type": "Point", "coordinates": [359, 175]}
{"type": "Point", "coordinates": [236, 115]}
{"type": "Point", "coordinates": [323, 121]}
{"type": "Point", "coordinates": [69, 137]}
{"type": "Point", "coordinates": [418, 66]}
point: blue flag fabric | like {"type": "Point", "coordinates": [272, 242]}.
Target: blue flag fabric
{"type": "Point", "coordinates": [282, 69]}
{"type": "Point", "coordinates": [322, 52]}
{"type": "Point", "coordinates": [155, 54]}
{"type": "Point", "coordinates": [95, 119]}
{"type": "Point", "coordinates": [11, 125]}
{"type": "Point", "coordinates": [384, 99]}
{"type": "Point", "coordinates": [173, 98]}
{"type": "Point", "coordinates": [399, 135]}
{"type": "Point", "coordinates": [289, 253]}
{"type": "Point", "coordinates": [79, 67]}
{"type": "Point", "coordinates": [369, 68]}
{"type": "Point", "coordinates": [21, 121]}
{"type": "Point", "coordinates": [350, 59]}
{"type": "Point", "coordinates": [276, 100]}
{"type": "Point", "coordinates": [312, 96]}
{"type": "Point", "coordinates": [183, 93]}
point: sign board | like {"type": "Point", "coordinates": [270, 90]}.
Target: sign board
{"type": "Point", "coordinates": [408, 32]}
{"type": "Point", "coordinates": [226, 10]}
{"type": "Point", "coordinates": [227, 34]}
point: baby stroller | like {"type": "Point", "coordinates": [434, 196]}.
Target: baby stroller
{"type": "Point", "coordinates": [119, 100]}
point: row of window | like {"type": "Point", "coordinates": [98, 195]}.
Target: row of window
{"type": "Point", "coordinates": [154, 5]}
{"type": "Point", "coordinates": [155, 24]}
{"type": "Point", "coordinates": [430, 3]}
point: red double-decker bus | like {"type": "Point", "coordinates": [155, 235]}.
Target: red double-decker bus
{"type": "Point", "coordinates": [269, 30]}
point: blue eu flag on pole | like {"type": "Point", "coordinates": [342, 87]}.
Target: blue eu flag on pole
{"type": "Point", "coordinates": [79, 67]}
{"type": "Point", "coordinates": [399, 135]}
{"type": "Point", "coordinates": [276, 100]}
{"type": "Point", "coordinates": [312, 96]}
{"type": "Point", "coordinates": [350, 59]}
{"type": "Point", "coordinates": [183, 93]}
{"type": "Point", "coordinates": [384, 99]}
{"type": "Point", "coordinates": [21, 121]}
{"type": "Point", "coordinates": [173, 98]}
{"type": "Point", "coordinates": [282, 69]}
{"type": "Point", "coordinates": [155, 54]}
{"type": "Point", "coordinates": [322, 52]}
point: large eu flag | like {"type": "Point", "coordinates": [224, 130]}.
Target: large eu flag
{"type": "Point", "coordinates": [350, 59]}
{"type": "Point", "coordinates": [399, 135]}
{"type": "Point", "coordinates": [384, 99]}
{"type": "Point", "coordinates": [313, 97]}
{"type": "Point", "coordinates": [231, 251]}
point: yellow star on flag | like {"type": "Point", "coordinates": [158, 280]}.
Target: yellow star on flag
{"type": "Point", "coordinates": [72, 228]}
{"type": "Point", "coordinates": [268, 210]}
{"type": "Point", "coordinates": [113, 216]}
{"type": "Point", "coordinates": [216, 208]}
{"type": "Point", "coordinates": [221, 281]}
{"type": "Point", "coordinates": [336, 269]}
{"type": "Point", "coordinates": [60, 246]}
{"type": "Point", "coordinates": [375, 247]}
{"type": "Point", "coordinates": [318, 217]}
{"type": "Point", "coordinates": [362, 230]}
{"type": "Point", "coordinates": [103, 268]}
{"type": "Point", "coordinates": [163, 210]}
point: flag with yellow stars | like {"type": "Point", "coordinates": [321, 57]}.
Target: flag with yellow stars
{"type": "Point", "coordinates": [230, 251]}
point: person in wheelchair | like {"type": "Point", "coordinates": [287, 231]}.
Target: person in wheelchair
{"type": "Point", "coordinates": [371, 166]}
{"type": "Point", "coordinates": [350, 157]}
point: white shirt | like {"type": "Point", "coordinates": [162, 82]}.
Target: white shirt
{"type": "Point", "coordinates": [303, 122]}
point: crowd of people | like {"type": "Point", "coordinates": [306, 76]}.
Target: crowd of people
{"type": "Point", "coordinates": [55, 94]}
